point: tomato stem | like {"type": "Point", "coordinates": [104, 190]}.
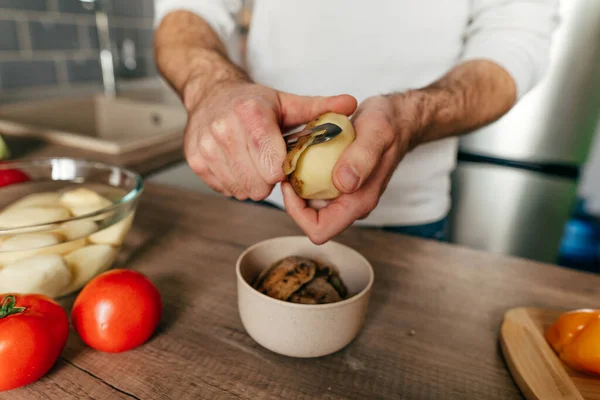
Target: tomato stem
{"type": "Point", "coordinates": [8, 306]}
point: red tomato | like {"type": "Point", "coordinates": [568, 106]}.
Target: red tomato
{"type": "Point", "coordinates": [33, 332]}
{"type": "Point", "coordinates": [117, 311]}
{"type": "Point", "coordinates": [12, 176]}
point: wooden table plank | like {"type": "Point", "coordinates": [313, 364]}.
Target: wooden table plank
{"type": "Point", "coordinates": [65, 381]}
{"type": "Point", "coordinates": [431, 333]}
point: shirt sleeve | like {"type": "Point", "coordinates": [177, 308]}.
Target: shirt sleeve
{"type": "Point", "coordinates": [515, 34]}
{"type": "Point", "coordinates": [219, 14]}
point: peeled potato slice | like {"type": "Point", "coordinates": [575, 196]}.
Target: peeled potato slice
{"type": "Point", "coordinates": [46, 274]}
{"type": "Point", "coordinates": [310, 167]}
{"type": "Point", "coordinates": [83, 210]}
{"type": "Point", "coordinates": [87, 262]}
{"type": "Point", "coordinates": [16, 217]}
{"type": "Point", "coordinates": [83, 201]}
{"type": "Point", "coordinates": [77, 229]}
{"type": "Point", "coordinates": [45, 199]}
{"type": "Point", "coordinates": [29, 241]}
{"type": "Point", "coordinates": [80, 197]}
{"type": "Point", "coordinates": [37, 245]}
{"type": "Point", "coordinates": [59, 249]}
{"type": "Point", "coordinates": [114, 235]}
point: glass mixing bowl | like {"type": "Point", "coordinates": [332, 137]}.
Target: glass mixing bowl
{"type": "Point", "coordinates": [62, 222]}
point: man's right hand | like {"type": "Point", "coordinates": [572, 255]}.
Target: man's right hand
{"type": "Point", "coordinates": [233, 140]}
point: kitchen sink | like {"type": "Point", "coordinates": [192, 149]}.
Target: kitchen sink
{"type": "Point", "coordinates": [161, 95]}
{"type": "Point", "coordinates": [134, 119]}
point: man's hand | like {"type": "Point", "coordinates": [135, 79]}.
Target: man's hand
{"type": "Point", "coordinates": [471, 95]}
{"type": "Point", "coordinates": [383, 136]}
{"type": "Point", "coordinates": [234, 142]}
{"type": "Point", "coordinates": [233, 138]}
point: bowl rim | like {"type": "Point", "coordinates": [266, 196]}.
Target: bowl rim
{"type": "Point", "coordinates": [357, 297]}
{"type": "Point", "coordinates": [128, 198]}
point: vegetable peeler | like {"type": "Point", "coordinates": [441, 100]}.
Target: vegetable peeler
{"type": "Point", "coordinates": [329, 131]}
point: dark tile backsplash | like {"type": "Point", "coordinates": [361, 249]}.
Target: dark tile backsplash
{"type": "Point", "coordinates": [126, 8]}
{"type": "Point", "coordinates": [18, 74]}
{"type": "Point", "coordinates": [93, 37]}
{"type": "Point", "coordinates": [118, 36]}
{"type": "Point", "coordinates": [8, 35]}
{"type": "Point", "coordinates": [145, 38]}
{"type": "Point", "coordinates": [141, 37]}
{"type": "Point", "coordinates": [72, 6]}
{"type": "Point", "coordinates": [53, 36]}
{"type": "Point", "coordinates": [55, 42]}
{"type": "Point", "coordinates": [84, 70]}
{"type": "Point", "coordinates": [24, 4]}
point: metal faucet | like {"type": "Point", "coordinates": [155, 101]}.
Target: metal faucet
{"type": "Point", "coordinates": [101, 8]}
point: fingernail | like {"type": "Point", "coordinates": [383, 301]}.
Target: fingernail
{"type": "Point", "coordinates": [348, 178]}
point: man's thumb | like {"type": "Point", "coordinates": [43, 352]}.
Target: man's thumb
{"type": "Point", "coordinates": [297, 110]}
{"type": "Point", "coordinates": [359, 161]}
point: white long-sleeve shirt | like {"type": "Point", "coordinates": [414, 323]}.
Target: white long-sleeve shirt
{"type": "Point", "coordinates": [365, 48]}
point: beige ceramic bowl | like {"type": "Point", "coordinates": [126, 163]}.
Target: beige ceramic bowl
{"type": "Point", "coordinates": [301, 330]}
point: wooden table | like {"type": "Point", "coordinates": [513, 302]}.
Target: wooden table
{"type": "Point", "coordinates": [431, 333]}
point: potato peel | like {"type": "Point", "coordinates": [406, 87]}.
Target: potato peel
{"type": "Point", "coordinates": [291, 160]}
{"type": "Point", "coordinates": [301, 280]}
{"type": "Point", "coordinates": [285, 277]}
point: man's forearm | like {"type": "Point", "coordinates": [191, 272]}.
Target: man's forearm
{"type": "Point", "coordinates": [470, 96]}
{"type": "Point", "coordinates": [191, 57]}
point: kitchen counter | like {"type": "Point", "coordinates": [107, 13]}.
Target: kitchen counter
{"type": "Point", "coordinates": [431, 331]}
{"type": "Point", "coordinates": [144, 161]}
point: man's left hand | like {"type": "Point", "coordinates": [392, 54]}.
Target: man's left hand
{"type": "Point", "coordinates": [385, 126]}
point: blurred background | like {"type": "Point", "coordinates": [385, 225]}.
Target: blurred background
{"type": "Point", "coordinates": [48, 43]}
{"type": "Point", "coordinates": [526, 186]}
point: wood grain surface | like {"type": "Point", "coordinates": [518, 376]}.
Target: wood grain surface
{"type": "Point", "coordinates": [432, 329]}
{"type": "Point", "coordinates": [537, 369]}
{"type": "Point", "coordinates": [533, 364]}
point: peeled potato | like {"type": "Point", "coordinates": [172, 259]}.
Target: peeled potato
{"type": "Point", "coordinates": [83, 210]}
{"type": "Point", "coordinates": [87, 262]}
{"type": "Point", "coordinates": [29, 241]}
{"type": "Point", "coordinates": [45, 199]}
{"type": "Point", "coordinates": [310, 167]}
{"type": "Point", "coordinates": [17, 217]}
{"type": "Point", "coordinates": [77, 229]}
{"type": "Point", "coordinates": [46, 274]}
{"type": "Point", "coordinates": [114, 235]}
{"type": "Point", "coordinates": [58, 249]}
{"type": "Point", "coordinates": [80, 197]}
{"type": "Point", "coordinates": [83, 201]}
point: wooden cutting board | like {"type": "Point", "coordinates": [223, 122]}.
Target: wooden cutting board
{"type": "Point", "coordinates": [536, 368]}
